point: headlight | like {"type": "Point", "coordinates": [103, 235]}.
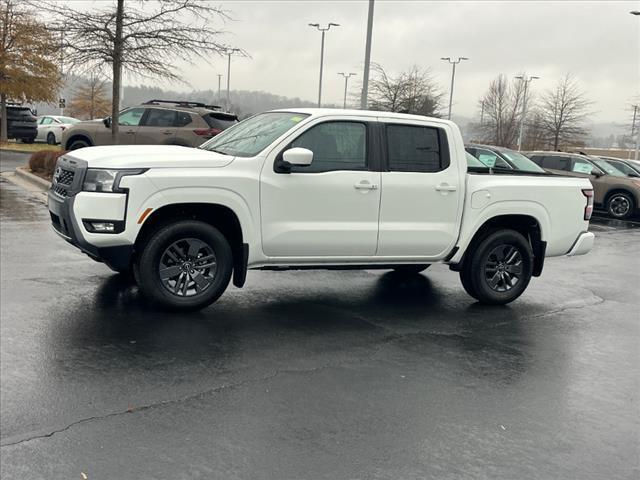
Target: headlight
{"type": "Point", "coordinates": [99, 180]}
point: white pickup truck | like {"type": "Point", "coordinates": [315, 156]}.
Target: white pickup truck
{"type": "Point", "coordinates": [315, 189]}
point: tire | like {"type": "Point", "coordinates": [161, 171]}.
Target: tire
{"type": "Point", "coordinates": [621, 205]}
{"type": "Point", "coordinates": [187, 283]}
{"type": "Point", "coordinates": [410, 269]}
{"type": "Point", "coordinates": [29, 140]}
{"type": "Point", "coordinates": [51, 138]}
{"type": "Point", "coordinates": [499, 268]}
{"type": "Point", "coordinates": [78, 143]}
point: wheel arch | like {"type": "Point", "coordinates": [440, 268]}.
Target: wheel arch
{"type": "Point", "coordinates": [527, 224]}
{"type": "Point", "coordinates": [77, 136]}
{"type": "Point", "coordinates": [219, 215]}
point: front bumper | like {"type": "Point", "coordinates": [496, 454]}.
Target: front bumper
{"type": "Point", "coordinates": [62, 197]}
{"type": "Point", "coordinates": [582, 245]}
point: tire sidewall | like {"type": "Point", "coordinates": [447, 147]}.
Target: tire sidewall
{"type": "Point", "coordinates": [77, 144]}
{"type": "Point", "coordinates": [478, 282]}
{"type": "Point", "coordinates": [149, 278]}
{"type": "Point", "coordinates": [50, 136]}
{"type": "Point", "coordinates": [628, 198]}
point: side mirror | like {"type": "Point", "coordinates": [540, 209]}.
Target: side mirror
{"type": "Point", "coordinates": [597, 173]}
{"type": "Point", "coordinates": [107, 122]}
{"type": "Point", "coordinates": [300, 157]}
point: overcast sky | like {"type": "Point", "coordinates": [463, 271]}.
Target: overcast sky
{"type": "Point", "coordinates": [599, 41]}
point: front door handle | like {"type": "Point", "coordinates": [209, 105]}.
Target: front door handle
{"type": "Point", "coordinates": [130, 132]}
{"type": "Point", "coordinates": [365, 185]}
{"type": "Point", "coordinates": [445, 187]}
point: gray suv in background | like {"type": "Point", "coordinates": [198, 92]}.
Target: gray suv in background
{"type": "Point", "coordinates": [156, 122]}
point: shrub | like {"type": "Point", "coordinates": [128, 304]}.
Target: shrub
{"type": "Point", "coordinates": [44, 162]}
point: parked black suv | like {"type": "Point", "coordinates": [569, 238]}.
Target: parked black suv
{"type": "Point", "coordinates": [21, 123]}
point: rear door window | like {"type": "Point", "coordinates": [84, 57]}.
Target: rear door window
{"type": "Point", "coordinates": [160, 118]}
{"type": "Point", "coordinates": [413, 148]}
{"type": "Point", "coordinates": [557, 162]}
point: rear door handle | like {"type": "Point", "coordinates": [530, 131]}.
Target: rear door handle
{"type": "Point", "coordinates": [445, 187]}
{"type": "Point", "coordinates": [167, 132]}
{"type": "Point", "coordinates": [365, 185]}
{"type": "Point", "coordinates": [130, 132]}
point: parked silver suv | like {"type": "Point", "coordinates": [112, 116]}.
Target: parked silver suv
{"type": "Point", "coordinates": [156, 122]}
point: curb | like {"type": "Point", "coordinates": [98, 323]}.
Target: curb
{"type": "Point", "coordinates": [14, 151]}
{"type": "Point", "coordinates": [33, 179]}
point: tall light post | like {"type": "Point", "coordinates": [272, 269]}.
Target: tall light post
{"type": "Point", "coordinates": [367, 59]}
{"type": "Point", "coordinates": [453, 61]}
{"type": "Point", "coordinates": [346, 80]}
{"type": "Point", "coordinates": [635, 107]}
{"type": "Point", "coordinates": [219, 83]}
{"type": "Point", "coordinates": [634, 132]}
{"type": "Point", "coordinates": [526, 81]}
{"type": "Point", "coordinates": [229, 52]}
{"type": "Point", "coordinates": [323, 30]}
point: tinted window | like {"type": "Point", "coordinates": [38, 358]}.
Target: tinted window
{"type": "Point", "coordinates": [623, 167]}
{"type": "Point", "coordinates": [610, 169]}
{"type": "Point", "coordinates": [335, 146]}
{"type": "Point", "coordinates": [556, 162]}
{"type": "Point", "coordinates": [47, 121]}
{"type": "Point", "coordinates": [414, 149]}
{"type": "Point", "coordinates": [183, 119]}
{"type": "Point", "coordinates": [160, 118]}
{"type": "Point", "coordinates": [473, 161]}
{"type": "Point", "coordinates": [216, 120]}
{"type": "Point", "coordinates": [131, 117]}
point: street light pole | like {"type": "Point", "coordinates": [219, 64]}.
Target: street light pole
{"type": "Point", "coordinates": [229, 52]}
{"type": "Point", "coordinates": [634, 131]}
{"type": "Point", "coordinates": [526, 81]}
{"type": "Point", "coordinates": [367, 60]}
{"type": "Point", "coordinates": [219, 83]}
{"type": "Point", "coordinates": [453, 63]}
{"type": "Point", "coordinates": [346, 79]}
{"type": "Point", "coordinates": [323, 30]}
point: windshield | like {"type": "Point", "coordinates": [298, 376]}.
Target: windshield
{"type": "Point", "coordinates": [67, 120]}
{"type": "Point", "coordinates": [608, 168]}
{"type": "Point", "coordinates": [521, 162]}
{"type": "Point", "coordinates": [473, 161]}
{"type": "Point", "coordinates": [251, 136]}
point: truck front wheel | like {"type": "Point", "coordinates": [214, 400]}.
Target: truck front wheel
{"type": "Point", "coordinates": [185, 265]}
{"type": "Point", "coordinates": [498, 269]}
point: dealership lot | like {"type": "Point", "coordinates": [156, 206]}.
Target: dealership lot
{"type": "Point", "coordinates": [316, 374]}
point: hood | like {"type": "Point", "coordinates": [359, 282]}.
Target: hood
{"type": "Point", "coordinates": [149, 156]}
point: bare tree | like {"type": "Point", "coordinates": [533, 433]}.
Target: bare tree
{"type": "Point", "coordinates": [564, 110]}
{"type": "Point", "coordinates": [502, 106]}
{"type": "Point", "coordinates": [144, 38]}
{"type": "Point", "coordinates": [26, 48]}
{"type": "Point", "coordinates": [413, 91]}
{"type": "Point", "coordinates": [90, 99]}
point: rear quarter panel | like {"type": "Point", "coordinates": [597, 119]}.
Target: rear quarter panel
{"type": "Point", "coordinates": [556, 203]}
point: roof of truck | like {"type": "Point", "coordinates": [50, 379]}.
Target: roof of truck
{"type": "Point", "coordinates": [360, 113]}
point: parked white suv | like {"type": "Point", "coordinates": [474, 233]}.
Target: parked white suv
{"type": "Point", "coordinates": [315, 188]}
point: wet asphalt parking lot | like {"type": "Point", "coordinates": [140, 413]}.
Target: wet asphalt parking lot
{"type": "Point", "coordinates": [316, 375]}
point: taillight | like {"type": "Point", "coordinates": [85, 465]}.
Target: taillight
{"type": "Point", "coordinates": [207, 132]}
{"type": "Point", "coordinates": [588, 210]}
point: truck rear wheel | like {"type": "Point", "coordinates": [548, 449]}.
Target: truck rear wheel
{"type": "Point", "coordinates": [499, 268]}
{"type": "Point", "coordinates": [185, 265]}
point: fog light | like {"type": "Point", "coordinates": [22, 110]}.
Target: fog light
{"type": "Point", "coordinates": [103, 226]}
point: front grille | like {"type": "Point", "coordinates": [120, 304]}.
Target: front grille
{"type": "Point", "coordinates": [65, 177]}
{"type": "Point", "coordinates": [60, 190]}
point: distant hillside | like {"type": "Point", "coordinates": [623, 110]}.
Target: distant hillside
{"type": "Point", "coordinates": [243, 102]}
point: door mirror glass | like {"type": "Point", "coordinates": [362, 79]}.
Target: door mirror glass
{"type": "Point", "coordinates": [107, 122]}
{"type": "Point", "coordinates": [300, 157]}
